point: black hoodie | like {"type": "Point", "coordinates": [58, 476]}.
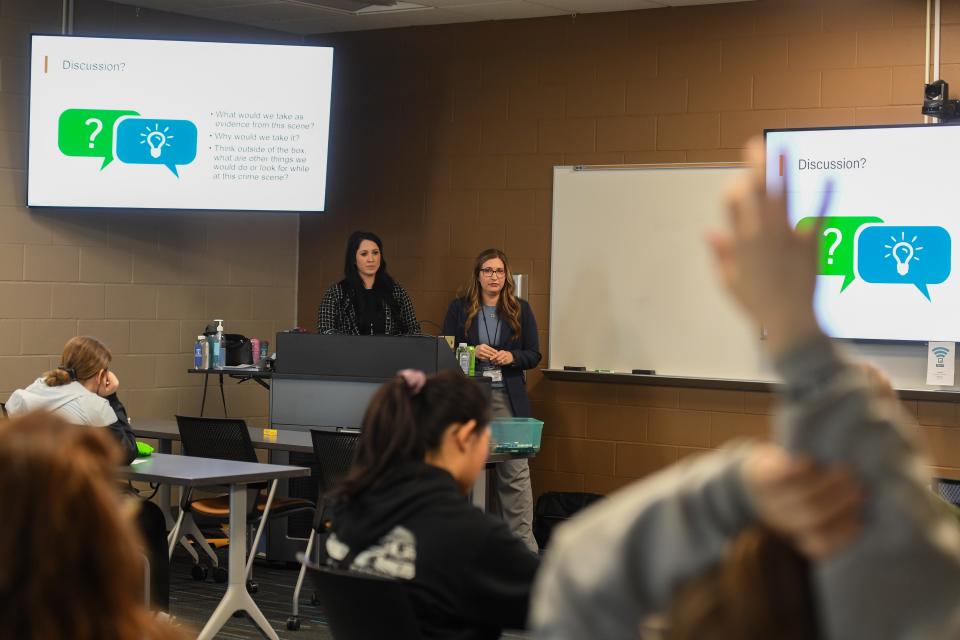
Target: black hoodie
{"type": "Point", "coordinates": [468, 576]}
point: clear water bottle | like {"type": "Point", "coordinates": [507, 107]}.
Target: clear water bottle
{"type": "Point", "coordinates": [198, 350]}
{"type": "Point", "coordinates": [463, 358]}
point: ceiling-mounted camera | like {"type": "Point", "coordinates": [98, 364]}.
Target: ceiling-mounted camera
{"type": "Point", "coordinates": [937, 102]}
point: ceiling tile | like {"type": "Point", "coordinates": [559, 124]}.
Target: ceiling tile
{"type": "Point", "coordinates": [599, 6]}
{"type": "Point", "coordinates": [297, 16]}
{"type": "Point", "coordinates": [509, 10]}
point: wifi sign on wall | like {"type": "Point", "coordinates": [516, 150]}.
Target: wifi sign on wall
{"type": "Point", "coordinates": [940, 361]}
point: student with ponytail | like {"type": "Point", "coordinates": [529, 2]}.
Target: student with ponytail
{"type": "Point", "coordinates": [401, 512]}
{"type": "Point", "coordinates": [83, 391]}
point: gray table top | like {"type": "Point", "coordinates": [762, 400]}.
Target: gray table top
{"type": "Point", "coordinates": [189, 471]}
{"type": "Point", "coordinates": [276, 439]}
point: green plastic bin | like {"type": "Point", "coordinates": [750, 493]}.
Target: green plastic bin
{"type": "Point", "coordinates": [515, 435]}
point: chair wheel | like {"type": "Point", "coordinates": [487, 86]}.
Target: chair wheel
{"type": "Point", "coordinates": [293, 623]}
{"type": "Point", "coordinates": [314, 599]}
{"type": "Point", "coordinates": [199, 572]}
{"type": "Point", "coordinates": [252, 587]}
{"type": "Point", "coordinates": [219, 575]}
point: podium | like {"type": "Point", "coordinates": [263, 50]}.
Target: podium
{"type": "Point", "coordinates": [323, 381]}
{"type": "Point", "coordinates": [326, 382]}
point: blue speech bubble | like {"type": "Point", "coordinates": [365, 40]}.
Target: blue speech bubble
{"type": "Point", "coordinates": [156, 141]}
{"type": "Point", "coordinates": [904, 255]}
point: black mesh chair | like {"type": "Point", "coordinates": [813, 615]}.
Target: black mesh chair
{"type": "Point", "coordinates": [229, 439]}
{"type": "Point", "coordinates": [347, 598]}
{"type": "Point", "coordinates": [333, 453]}
{"type": "Point", "coordinates": [949, 490]}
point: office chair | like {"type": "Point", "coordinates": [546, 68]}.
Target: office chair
{"type": "Point", "coordinates": [228, 439]}
{"type": "Point", "coordinates": [349, 599]}
{"type": "Point", "coordinates": [333, 453]}
{"type": "Point", "coordinates": [948, 490]}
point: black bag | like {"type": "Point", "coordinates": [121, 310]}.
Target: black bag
{"type": "Point", "coordinates": [239, 350]}
{"type": "Point", "coordinates": [553, 507]}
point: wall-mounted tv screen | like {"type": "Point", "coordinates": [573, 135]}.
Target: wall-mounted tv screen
{"type": "Point", "coordinates": [887, 267]}
{"type": "Point", "coordinates": [160, 124]}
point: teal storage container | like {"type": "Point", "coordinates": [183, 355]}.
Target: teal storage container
{"type": "Point", "coordinates": [515, 435]}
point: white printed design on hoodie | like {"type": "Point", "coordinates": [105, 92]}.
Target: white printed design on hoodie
{"type": "Point", "coordinates": [394, 556]}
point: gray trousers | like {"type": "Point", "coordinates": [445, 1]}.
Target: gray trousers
{"type": "Point", "coordinates": [513, 491]}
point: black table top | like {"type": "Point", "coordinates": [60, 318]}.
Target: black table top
{"type": "Point", "coordinates": [189, 471]}
{"type": "Point", "coordinates": [276, 439]}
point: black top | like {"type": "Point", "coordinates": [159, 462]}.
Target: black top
{"type": "Point", "coordinates": [371, 313]}
{"type": "Point", "coordinates": [339, 312]}
{"type": "Point", "coordinates": [121, 430]}
{"type": "Point", "coordinates": [467, 576]}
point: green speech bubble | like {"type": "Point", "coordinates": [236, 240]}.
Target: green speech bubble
{"type": "Point", "coordinates": [836, 243]}
{"type": "Point", "coordinates": [89, 132]}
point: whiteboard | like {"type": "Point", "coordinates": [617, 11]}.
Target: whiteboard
{"type": "Point", "coordinates": [632, 284]}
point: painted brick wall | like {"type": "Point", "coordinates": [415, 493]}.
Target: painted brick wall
{"type": "Point", "coordinates": [146, 283]}
{"type": "Point", "coordinates": [444, 139]}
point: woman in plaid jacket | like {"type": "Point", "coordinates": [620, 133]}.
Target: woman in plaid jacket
{"type": "Point", "coordinates": [367, 301]}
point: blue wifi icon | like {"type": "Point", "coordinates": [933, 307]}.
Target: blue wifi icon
{"type": "Point", "coordinates": [941, 352]}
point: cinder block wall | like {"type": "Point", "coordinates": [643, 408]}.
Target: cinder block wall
{"type": "Point", "coordinates": [444, 140]}
{"type": "Point", "coordinates": [145, 283]}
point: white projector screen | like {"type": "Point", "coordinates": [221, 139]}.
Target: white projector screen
{"type": "Point", "coordinates": [886, 258]}
{"type": "Point", "coordinates": [158, 124]}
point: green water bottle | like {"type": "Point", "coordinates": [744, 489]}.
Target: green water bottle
{"type": "Point", "coordinates": [473, 360]}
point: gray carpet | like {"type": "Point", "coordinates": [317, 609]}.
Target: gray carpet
{"type": "Point", "coordinates": [192, 602]}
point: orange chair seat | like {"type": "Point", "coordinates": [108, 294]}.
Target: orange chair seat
{"type": "Point", "coordinates": [219, 507]}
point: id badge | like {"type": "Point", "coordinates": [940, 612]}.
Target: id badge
{"type": "Point", "coordinates": [495, 375]}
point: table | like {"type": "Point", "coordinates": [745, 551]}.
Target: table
{"type": "Point", "coordinates": [166, 431]}
{"type": "Point", "coordinates": [188, 471]}
{"type": "Point", "coordinates": [237, 373]}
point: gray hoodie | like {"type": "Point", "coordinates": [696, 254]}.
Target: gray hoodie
{"type": "Point", "coordinates": [73, 402]}
{"type": "Point", "coordinates": [621, 560]}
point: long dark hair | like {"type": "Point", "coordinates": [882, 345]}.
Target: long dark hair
{"type": "Point", "coordinates": [507, 305]}
{"type": "Point", "coordinates": [382, 284]}
{"type": "Point", "coordinates": [401, 426]}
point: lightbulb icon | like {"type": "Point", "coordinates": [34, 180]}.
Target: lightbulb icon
{"type": "Point", "coordinates": [156, 139]}
{"type": "Point", "coordinates": [903, 251]}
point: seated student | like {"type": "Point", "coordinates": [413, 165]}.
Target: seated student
{"type": "Point", "coordinates": [72, 563]}
{"type": "Point", "coordinates": [402, 512]}
{"type": "Point", "coordinates": [686, 541]}
{"type": "Point", "coordinates": [83, 391]}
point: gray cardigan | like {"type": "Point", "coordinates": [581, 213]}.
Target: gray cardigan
{"type": "Point", "coordinates": [620, 561]}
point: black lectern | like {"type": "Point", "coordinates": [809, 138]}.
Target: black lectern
{"type": "Point", "coordinates": [328, 380]}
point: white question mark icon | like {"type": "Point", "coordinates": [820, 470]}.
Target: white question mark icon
{"type": "Point", "coordinates": [838, 237]}
{"type": "Point", "coordinates": [97, 128]}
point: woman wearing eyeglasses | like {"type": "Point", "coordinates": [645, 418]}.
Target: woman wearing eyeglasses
{"type": "Point", "coordinates": [488, 315]}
